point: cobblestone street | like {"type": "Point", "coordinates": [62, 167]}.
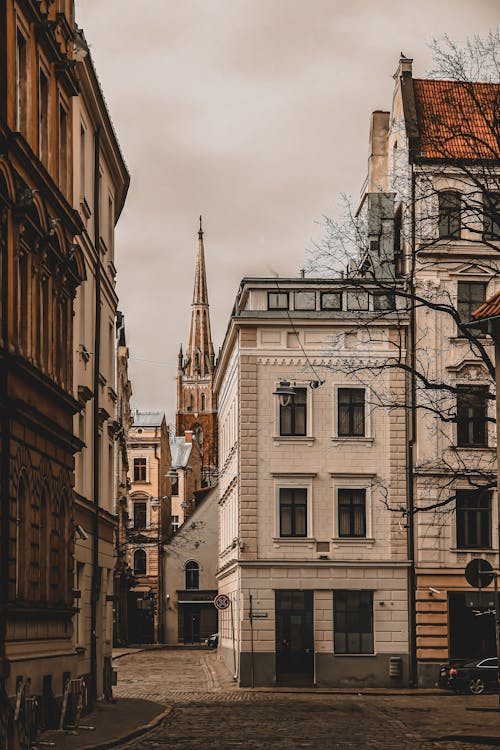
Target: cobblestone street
{"type": "Point", "coordinates": [210, 712]}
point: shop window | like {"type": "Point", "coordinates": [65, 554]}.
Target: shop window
{"type": "Point", "coordinates": [353, 622]}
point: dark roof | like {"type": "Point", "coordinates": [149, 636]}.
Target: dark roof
{"type": "Point", "coordinates": [457, 120]}
{"type": "Point", "coordinates": [489, 309]}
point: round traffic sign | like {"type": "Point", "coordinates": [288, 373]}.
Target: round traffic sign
{"type": "Point", "coordinates": [479, 573]}
{"type": "Point", "coordinates": [222, 601]}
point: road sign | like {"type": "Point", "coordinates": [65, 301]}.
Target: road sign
{"type": "Point", "coordinates": [222, 601]}
{"type": "Point", "coordinates": [479, 573]}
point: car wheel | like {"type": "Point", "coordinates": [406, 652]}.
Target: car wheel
{"type": "Point", "coordinates": [476, 686]}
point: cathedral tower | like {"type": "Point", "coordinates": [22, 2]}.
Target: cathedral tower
{"type": "Point", "coordinates": [196, 407]}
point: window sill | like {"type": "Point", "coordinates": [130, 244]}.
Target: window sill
{"type": "Point", "coordinates": [353, 439]}
{"type": "Point", "coordinates": [474, 550]}
{"type": "Point", "coordinates": [353, 540]}
{"type": "Point", "coordinates": [298, 439]}
{"type": "Point", "coordinates": [343, 656]}
{"type": "Point", "coordinates": [473, 447]}
{"type": "Point", "coordinates": [294, 540]}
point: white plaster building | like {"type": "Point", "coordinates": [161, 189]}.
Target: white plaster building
{"type": "Point", "coordinates": [306, 543]}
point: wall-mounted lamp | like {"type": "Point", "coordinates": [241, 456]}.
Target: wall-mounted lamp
{"type": "Point", "coordinates": [81, 532]}
{"type": "Point", "coordinates": [313, 384]}
{"type": "Point", "coordinates": [285, 392]}
{"type": "Point", "coordinates": [172, 474]}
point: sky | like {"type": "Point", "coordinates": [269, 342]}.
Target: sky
{"type": "Point", "coordinates": [255, 114]}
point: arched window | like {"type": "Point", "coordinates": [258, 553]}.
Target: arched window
{"type": "Point", "coordinates": [56, 553]}
{"type": "Point", "coordinates": [140, 562]}
{"type": "Point", "coordinates": [449, 213]}
{"type": "Point", "coordinates": [192, 575]}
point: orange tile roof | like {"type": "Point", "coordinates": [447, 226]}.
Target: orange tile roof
{"type": "Point", "coordinates": [458, 120]}
{"type": "Point", "coordinates": [489, 309]}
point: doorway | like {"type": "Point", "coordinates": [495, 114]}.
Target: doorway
{"type": "Point", "coordinates": [472, 630]}
{"type": "Point", "coordinates": [191, 624]}
{"type": "Point", "coordinates": [294, 637]}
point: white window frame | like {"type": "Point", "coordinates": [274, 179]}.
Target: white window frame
{"type": "Point", "coordinates": [368, 436]}
{"type": "Point", "coordinates": [294, 482]}
{"type": "Point", "coordinates": [352, 482]}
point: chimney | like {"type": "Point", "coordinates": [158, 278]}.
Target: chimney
{"type": "Point", "coordinates": [188, 436]}
{"type": "Point", "coordinates": [405, 67]}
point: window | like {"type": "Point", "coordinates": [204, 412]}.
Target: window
{"type": "Point", "coordinates": [491, 215]}
{"type": "Point", "coordinates": [192, 575]}
{"type": "Point", "coordinates": [351, 412]}
{"type": "Point", "coordinates": [43, 117]}
{"type": "Point", "coordinates": [21, 78]}
{"type": "Point", "coordinates": [140, 469]}
{"type": "Point", "coordinates": [111, 221]}
{"type": "Point", "coordinates": [83, 154]}
{"type": "Point", "coordinates": [304, 300]}
{"type": "Point", "coordinates": [470, 295]}
{"type": "Point", "coordinates": [203, 402]}
{"type": "Point", "coordinates": [357, 300]}
{"type": "Point", "coordinates": [139, 515]}
{"type": "Point", "coordinates": [449, 213]}
{"type": "Point", "coordinates": [293, 415]}
{"type": "Point", "coordinates": [293, 512]}
{"type": "Point", "coordinates": [473, 508]}
{"type": "Point", "coordinates": [353, 622]}
{"type": "Point", "coordinates": [472, 417]}
{"type": "Point", "coordinates": [352, 512]}
{"type": "Point", "coordinates": [331, 300]}
{"type": "Point", "coordinates": [383, 301]}
{"type": "Point", "coordinates": [140, 562]}
{"type": "Point", "coordinates": [277, 300]}
{"type": "Point", "coordinates": [63, 149]}
{"type": "Point", "coordinates": [175, 486]}
{"type": "Point", "coordinates": [175, 524]}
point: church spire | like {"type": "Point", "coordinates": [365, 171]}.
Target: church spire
{"type": "Point", "coordinates": [200, 293]}
{"type": "Point", "coordinates": [200, 352]}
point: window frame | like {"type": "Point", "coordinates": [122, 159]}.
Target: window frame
{"type": "Point", "coordinates": [190, 571]}
{"type": "Point", "coordinates": [351, 490]}
{"type": "Point", "coordinates": [331, 309]}
{"type": "Point", "coordinates": [284, 294]}
{"type": "Point", "coordinates": [305, 505]}
{"type": "Point", "coordinates": [136, 572]}
{"type": "Point", "coordinates": [293, 407]}
{"type": "Point", "coordinates": [304, 291]}
{"type": "Point", "coordinates": [491, 230]}
{"type": "Point", "coordinates": [350, 435]}
{"type": "Point", "coordinates": [449, 219]}
{"type": "Point", "coordinates": [462, 530]}
{"type": "Point", "coordinates": [358, 293]}
{"type": "Point", "coordinates": [353, 615]}
{"type": "Point", "coordinates": [135, 504]}
{"type": "Point", "coordinates": [471, 305]}
{"type": "Point", "coordinates": [472, 421]}
{"type": "Point", "coordinates": [145, 467]}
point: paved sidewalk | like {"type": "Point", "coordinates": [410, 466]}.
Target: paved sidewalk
{"type": "Point", "coordinates": [114, 723]}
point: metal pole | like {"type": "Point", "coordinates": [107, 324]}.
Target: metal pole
{"type": "Point", "coordinates": [235, 674]}
{"type": "Point", "coordinates": [251, 642]}
{"type": "Point", "coordinates": [497, 632]}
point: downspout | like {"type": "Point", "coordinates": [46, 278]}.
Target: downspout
{"type": "Point", "coordinates": [412, 433]}
{"type": "Point", "coordinates": [159, 632]}
{"type": "Point", "coordinates": [96, 584]}
{"type": "Point", "coordinates": [5, 472]}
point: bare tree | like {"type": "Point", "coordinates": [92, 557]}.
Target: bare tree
{"type": "Point", "coordinates": [424, 245]}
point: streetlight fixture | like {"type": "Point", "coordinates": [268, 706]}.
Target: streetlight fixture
{"type": "Point", "coordinates": [285, 392]}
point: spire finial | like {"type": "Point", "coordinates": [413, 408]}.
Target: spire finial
{"type": "Point", "coordinates": [200, 231]}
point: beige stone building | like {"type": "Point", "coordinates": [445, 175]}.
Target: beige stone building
{"type": "Point", "coordinates": [432, 168]}
{"type": "Point", "coordinates": [186, 476]}
{"type": "Point", "coordinates": [314, 565]}
{"type": "Point", "coordinates": [190, 574]}
{"type": "Point", "coordinates": [149, 524]}
{"type": "Point", "coordinates": [100, 183]}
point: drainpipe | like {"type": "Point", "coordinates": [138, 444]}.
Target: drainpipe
{"type": "Point", "coordinates": [5, 469]}
{"type": "Point", "coordinates": [159, 632]}
{"type": "Point", "coordinates": [96, 583]}
{"type": "Point", "coordinates": [412, 429]}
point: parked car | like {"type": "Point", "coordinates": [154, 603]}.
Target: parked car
{"type": "Point", "coordinates": [212, 640]}
{"type": "Point", "coordinates": [475, 677]}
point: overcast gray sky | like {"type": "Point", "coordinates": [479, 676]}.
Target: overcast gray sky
{"type": "Point", "coordinates": [254, 113]}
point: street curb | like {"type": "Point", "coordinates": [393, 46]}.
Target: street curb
{"type": "Point", "coordinates": [129, 736]}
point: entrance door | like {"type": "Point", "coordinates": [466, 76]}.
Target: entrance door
{"type": "Point", "coordinates": [192, 624]}
{"type": "Point", "coordinates": [294, 637]}
{"type": "Point", "coordinates": [472, 631]}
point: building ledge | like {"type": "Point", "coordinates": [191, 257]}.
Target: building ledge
{"type": "Point", "coordinates": [294, 439]}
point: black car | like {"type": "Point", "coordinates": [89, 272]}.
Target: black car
{"type": "Point", "coordinates": [475, 677]}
